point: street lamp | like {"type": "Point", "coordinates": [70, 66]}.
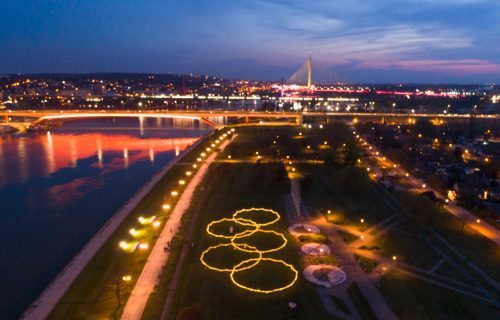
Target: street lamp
{"type": "Point", "coordinates": [127, 278]}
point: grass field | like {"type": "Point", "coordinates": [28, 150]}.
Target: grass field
{"type": "Point", "coordinates": [211, 293]}
{"type": "Point", "coordinates": [227, 188]}
{"type": "Point", "coordinates": [413, 299]}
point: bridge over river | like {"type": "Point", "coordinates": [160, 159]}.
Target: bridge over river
{"type": "Point", "coordinates": [34, 117]}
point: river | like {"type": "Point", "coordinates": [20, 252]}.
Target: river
{"type": "Point", "coordinates": [58, 188]}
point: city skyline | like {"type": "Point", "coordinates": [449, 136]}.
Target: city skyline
{"type": "Point", "coordinates": [390, 41]}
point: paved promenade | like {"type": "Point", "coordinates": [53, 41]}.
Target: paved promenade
{"type": "Point", "coordinates": [150, 275]}
{"type": "Point", "coordinates": [348, 263]}
{"type": "Point", "coordinates": [45, 303]}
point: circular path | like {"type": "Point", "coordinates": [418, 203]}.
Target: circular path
{"type": "Point", "coordinates": [315, 249]}
{"type": "Point", "coordinates": [300, 229]}
{"type": "Point", "coordinates": [325, 275]}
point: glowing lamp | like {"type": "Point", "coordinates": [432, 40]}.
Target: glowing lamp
{"type": "Point", "coordinates": [127, 278]}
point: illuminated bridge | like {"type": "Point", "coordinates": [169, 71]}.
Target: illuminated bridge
{"type": "Point", "coordinates": [208, 117]}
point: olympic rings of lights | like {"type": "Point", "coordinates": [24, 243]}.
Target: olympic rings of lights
{"type": "Point", "coordinates": [240, 221]}
{"type": "Point", "coordinates": [239, 268]}
{"type": "Point", "coordinates": [222, 245]}
{"type": "Point", "coordinates": [243, 211]}
{"type": "Point", "coordinates": [237, 244]}
{"type": "Point", "coordinates": [244, 246]}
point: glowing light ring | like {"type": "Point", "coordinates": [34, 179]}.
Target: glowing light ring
{"type": "Point", "coordinates": [244, 247]}
{"type": "Point", "coordinates": [206, 264]}
{"type": "Point", "coordinates": [289, 266]}
{"type": "Point", "coordinates": [255, 249]}
{"type": "Point", "coordinates": [240, 221]}
{"type": "Point", "coordinates": [276, 214]}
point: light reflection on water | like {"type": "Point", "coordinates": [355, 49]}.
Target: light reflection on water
{"type": "Point", "coordinates": [58, 188]}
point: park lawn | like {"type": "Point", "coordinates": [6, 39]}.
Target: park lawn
{"type": "Point", "coordinates": [407, 246]}
{"type": "Point", "coordinates": [359, 300]}
{"type": "Point", "coordinates": [347, 202]}
{"type": "Point", "coordinates": [475, 247]}
{"type": "Point", "coordinates": [93, 294]}
{"type": "Point", "coordinates": [230, 187]}
{"type": "Point", "coordinates": [415, 299]}
{"type": "Point", "coordinates": [227, 188]}
{"type": "Point", "coordinates": [347, 237]}
{"type": "Point", "coordinates": [450, 271]}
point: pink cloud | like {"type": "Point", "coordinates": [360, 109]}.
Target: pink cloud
{"type": "Point", "coordinates": [471, 66]}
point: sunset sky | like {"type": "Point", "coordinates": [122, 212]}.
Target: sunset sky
{"type": "Point", "coordinates": [454, 41]}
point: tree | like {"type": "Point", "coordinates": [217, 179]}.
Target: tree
{"type": "Point", "coordinates": [419, 209]}
{"type": "Point", "coordinates": [306, 184]}
{"type": "Point", "coordinates": [425, 127]}
{"type": "Point", "coordinates": [351, 154]}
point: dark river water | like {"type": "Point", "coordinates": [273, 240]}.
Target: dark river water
{"type": "Point", "coordinates": [58, 188]}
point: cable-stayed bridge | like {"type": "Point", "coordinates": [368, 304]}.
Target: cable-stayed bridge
{"type": "Point", "coordinates": [303, 75]}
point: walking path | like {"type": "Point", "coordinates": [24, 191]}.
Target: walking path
{"type": "Point", "coordinates": [46, 302]}
{"type": "Point", "coordinates": [465, 215]}
{"type": "Point", "coordinates": [179, 266]}
{"type": "Point", "coordinates": [158, 257]}
{"type": "Point", "coordinates": [344, 255]}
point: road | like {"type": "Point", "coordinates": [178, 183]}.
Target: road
{"type": "Point", "coordinates": [158, 257]}
{"type": "Point", "coordinates": [7, 115]}
{"type": "Point", "coordinates": [484, 228]}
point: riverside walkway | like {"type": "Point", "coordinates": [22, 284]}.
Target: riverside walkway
{"type": "Point", "coordinates": [46, 302]}
{"type": "Point", "coordinates": [150, 275]}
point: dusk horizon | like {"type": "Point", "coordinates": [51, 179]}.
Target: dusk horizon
{"type": "Point", "coordinates": [389, 42]}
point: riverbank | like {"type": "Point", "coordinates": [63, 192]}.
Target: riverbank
{"type": "Point", "coordinates": [43, 306]}
{"type": "Point", "coordinates": [158, 258]}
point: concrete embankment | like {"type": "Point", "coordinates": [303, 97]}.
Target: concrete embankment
{"type": "Point", "coordinates": [45, 303]}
